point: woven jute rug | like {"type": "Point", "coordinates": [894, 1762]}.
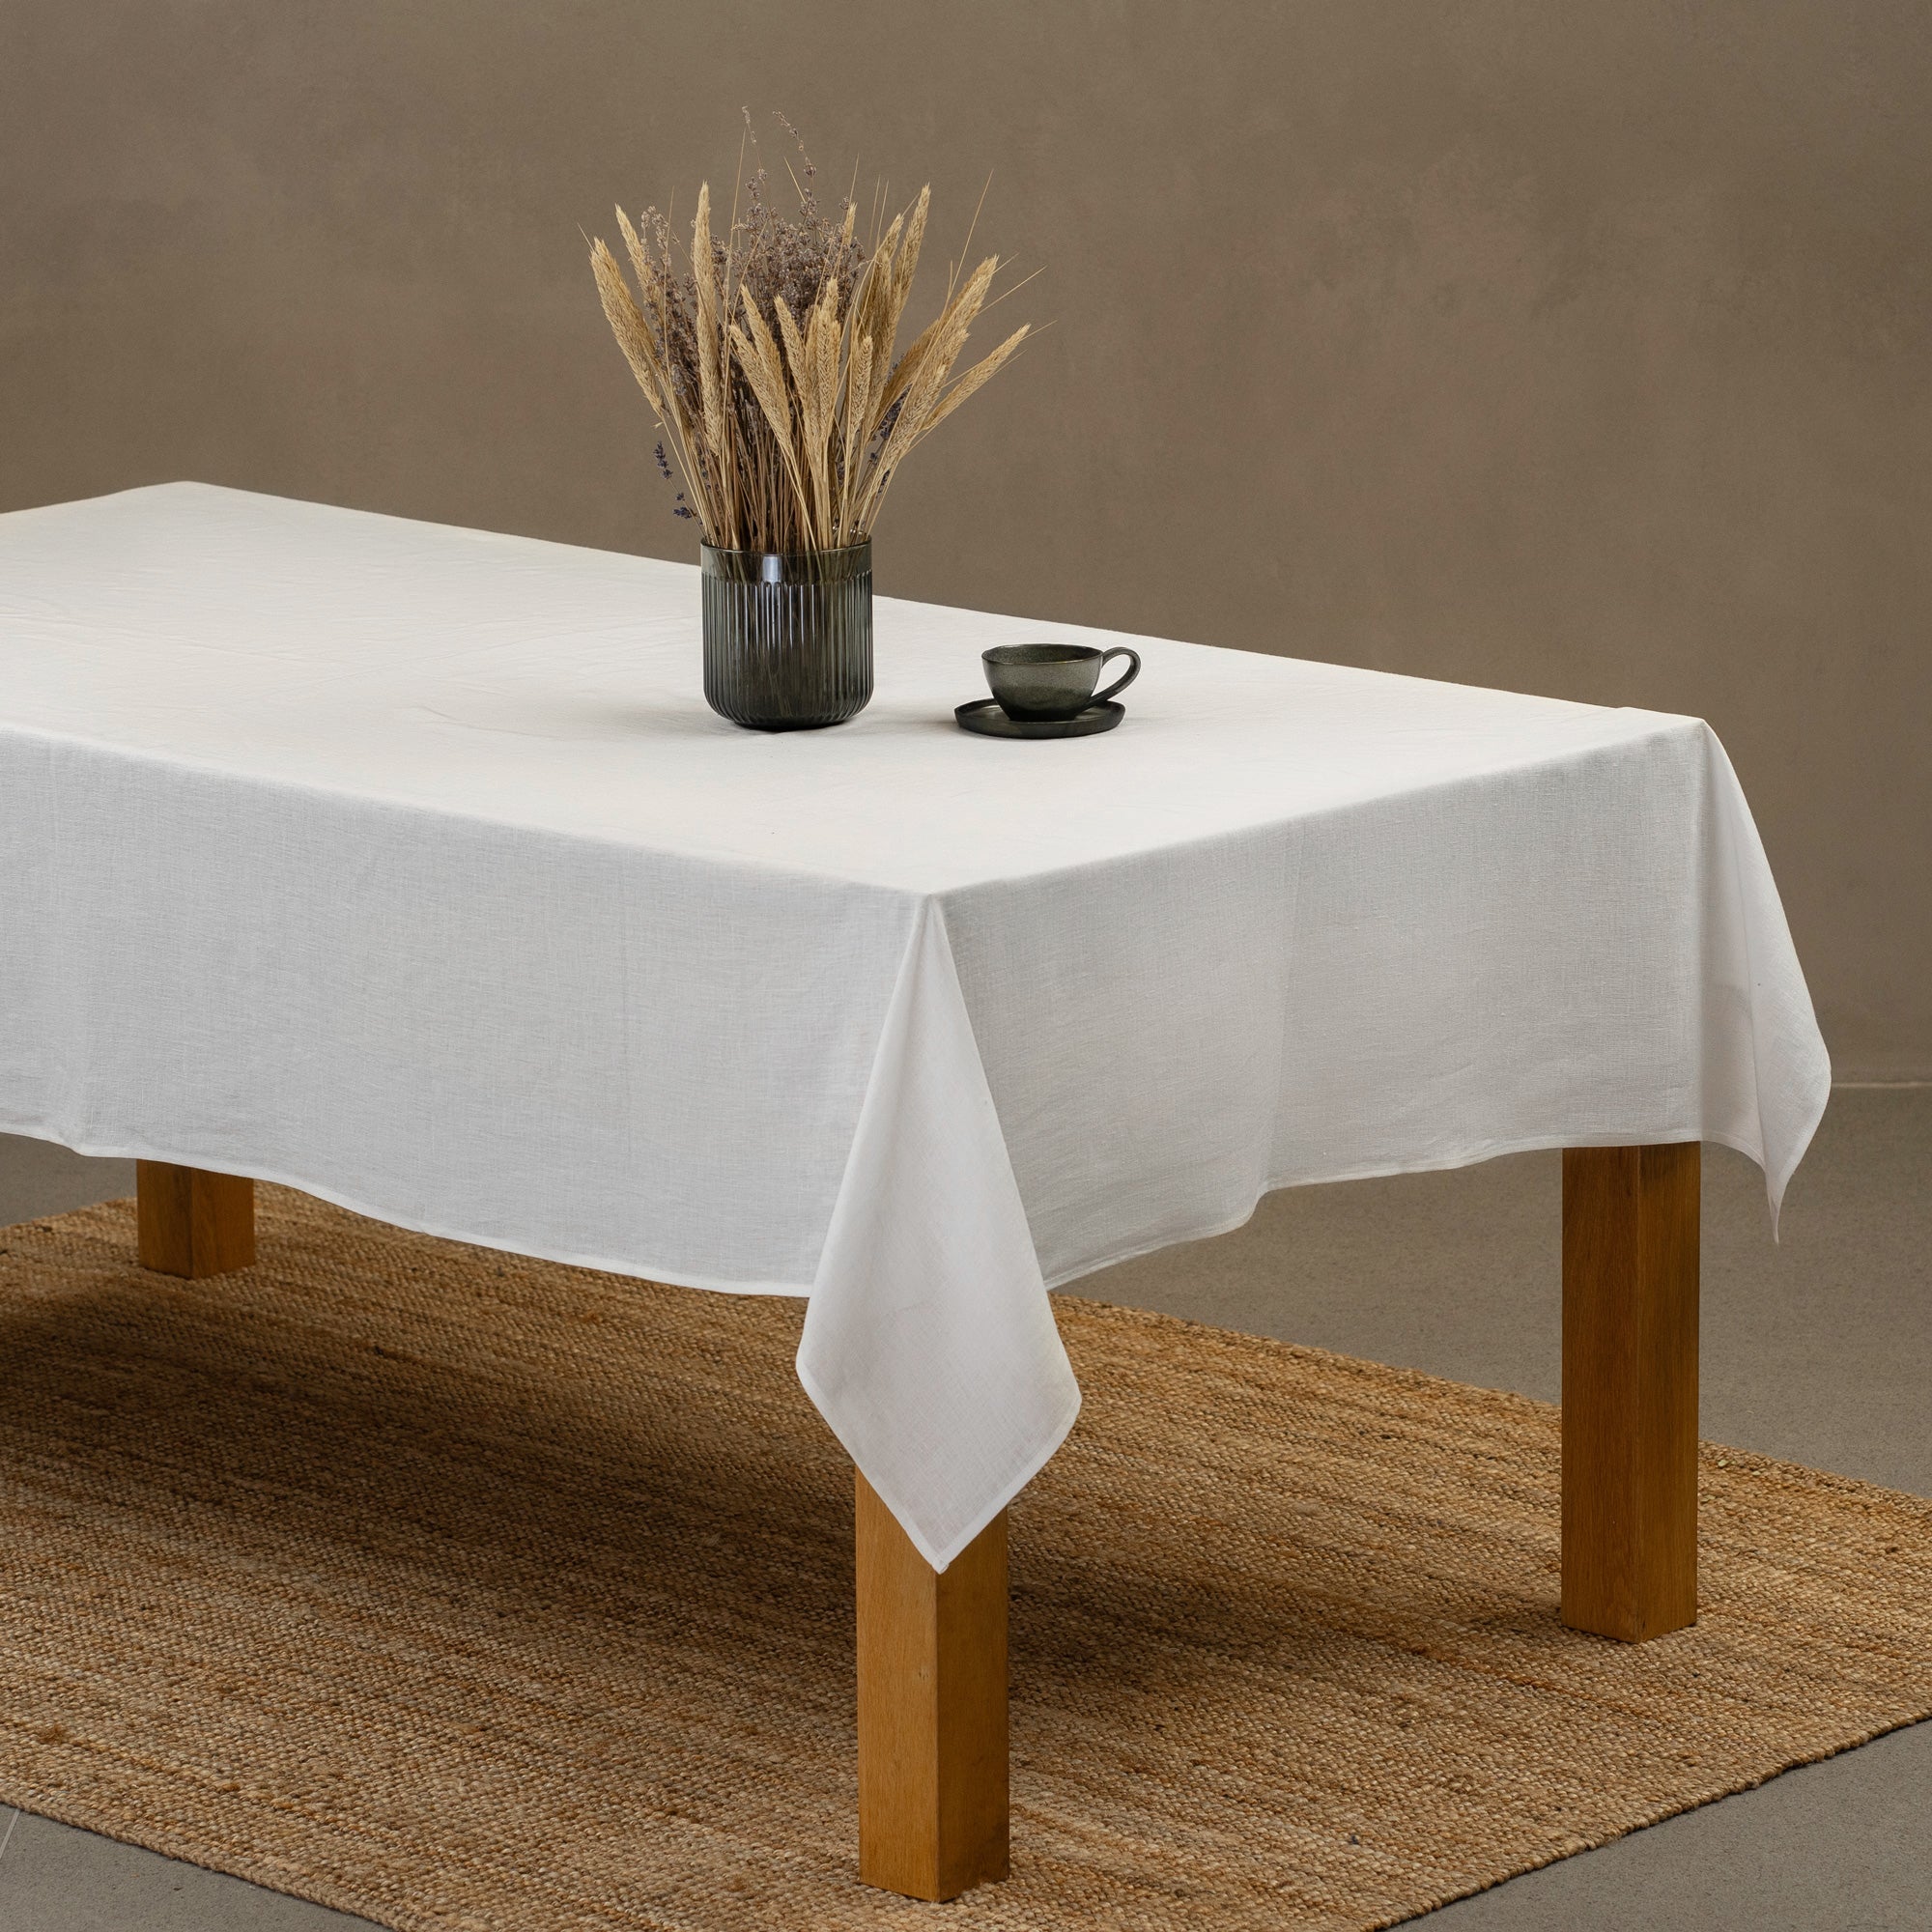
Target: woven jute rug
{"type": "Point", "coordinates": [462, 1591]}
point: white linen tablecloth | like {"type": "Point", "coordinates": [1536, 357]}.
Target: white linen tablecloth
{"type": "Point", "coordinates": [405, 864]}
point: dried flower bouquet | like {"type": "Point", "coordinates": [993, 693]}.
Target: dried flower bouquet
{"type": "Point", "coordinates": [770, 364]}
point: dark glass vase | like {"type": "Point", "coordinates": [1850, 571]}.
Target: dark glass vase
{"type": "Point", "coordinates": [788, 638]}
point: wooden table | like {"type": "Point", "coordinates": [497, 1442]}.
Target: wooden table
{"type": "Point", "coordinates": [932, 1647]}
{"type": "Point", "coordinates": [408, 863]}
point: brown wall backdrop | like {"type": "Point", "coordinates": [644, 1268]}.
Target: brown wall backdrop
{"type": "Point", "coordinates": [1578, 346]}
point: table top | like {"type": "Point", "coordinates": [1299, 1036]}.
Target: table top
{"type": "Point", "coordinates": [539, 683]}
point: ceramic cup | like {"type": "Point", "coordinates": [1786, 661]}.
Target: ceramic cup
{"type": "Point", "coordinates": [1053, 680]}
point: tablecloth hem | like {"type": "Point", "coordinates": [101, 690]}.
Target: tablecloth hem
{"type": "Point", "coordinates": [942, 1556]}
{"type": "Point", "coordinates": [1774, 1185]}
{"type": "Point", "coordinates": [1495, 1151]}
{"type": "Point", "coordinates": [678, 1278]}
{"type": "Point", "coordinates": [566, 1256]}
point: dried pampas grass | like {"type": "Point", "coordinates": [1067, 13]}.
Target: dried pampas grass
{"type": "Point", "coordinates": [770, 363]}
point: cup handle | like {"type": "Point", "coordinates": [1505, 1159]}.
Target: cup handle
{"type": "Point", "coordinates": [1119, 684]}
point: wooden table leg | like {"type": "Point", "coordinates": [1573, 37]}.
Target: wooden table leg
{"type": "Point", "coordinates": [1629, 1389]}
{"type": "Point", "coordinates": [932, 1709]}
{"type": "Point", "coordinates": [193, 1223]}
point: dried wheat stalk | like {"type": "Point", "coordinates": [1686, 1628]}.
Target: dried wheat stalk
{"type": "Point", "coordinates": [769, 363]}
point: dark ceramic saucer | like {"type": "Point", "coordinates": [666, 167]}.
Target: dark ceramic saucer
{"type": "Point", "coordinates": [986, 716]}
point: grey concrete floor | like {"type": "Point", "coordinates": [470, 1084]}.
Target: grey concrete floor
{"type": "Point", "coordinates": [1819, 1349]}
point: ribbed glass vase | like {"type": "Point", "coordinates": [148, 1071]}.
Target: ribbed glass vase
{"type": "Point", "coordinates": [788, 638]}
